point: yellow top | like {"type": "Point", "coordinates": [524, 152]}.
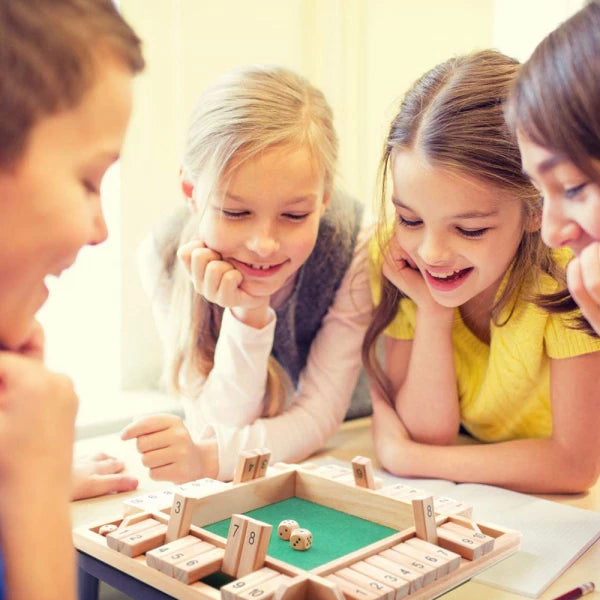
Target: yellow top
{"type": "Point", "coordinates": [503, 387]}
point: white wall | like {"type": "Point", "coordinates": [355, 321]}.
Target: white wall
{"type": "Point", "coordinates": [362, 53]}
{"type": "Point", "coordinates": [519, 25]}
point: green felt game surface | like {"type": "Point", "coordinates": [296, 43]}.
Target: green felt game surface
{"type": "Point", "coordinates": [335, 533]}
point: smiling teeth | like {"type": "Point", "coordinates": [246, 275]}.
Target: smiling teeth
{"type": "Point", "coordinates": [261, 267]}
{"type": "Point", "coordinates": [445, 275]}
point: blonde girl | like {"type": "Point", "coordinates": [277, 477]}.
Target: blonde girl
{"type": "Point", "coordinates": [264, 313]}
{"type": "Point", "coordinates": [457, 285]}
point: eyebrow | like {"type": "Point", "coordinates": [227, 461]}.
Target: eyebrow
{"type": "Point", "coordinates": [472, 214]}
{"type": "Point", "coordinates": [296, 200]}
{"type": "Point", "coordinates": [548, 164]}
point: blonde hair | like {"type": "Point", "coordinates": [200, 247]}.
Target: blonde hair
{"type": "Point", "coordinates": [48, 57]}
{"type": "Point", "coordinates": [453, 115]}
{"type": "Point", "coordinates": [241, 115]}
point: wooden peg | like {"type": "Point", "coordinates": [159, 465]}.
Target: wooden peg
{"type": "Point", "coordinates": [254, 547]}
{"type": "Point", "coordinates": [401, 586]}
{"type": "Point", "coordinates": [199, 566]}
{"type": "Point", "coordinates": [264, 589]}
{"type": "Point", "coordinates": [154, 558]}
{"type": "Point", "coordinates": [246, 466]}
{"type": "Point", "coordinates": [235, 541]}
{"type": "Point", "coordinates": [139, 542]}
{"type": "Point", "coordinates": [424, 515]}
{"type": "Point", "coordinates": [233, 589]}
{"type": "Point", "coordinates": [363, 472]}
{"type": "Point", "coordinates": [383, 591]}
{"type": "Point", "coordinates": [264, 456]}
{"type": "Point", "coordinates": [182, 512]}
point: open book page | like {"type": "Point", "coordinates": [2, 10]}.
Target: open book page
{"type": "Point", "coordinates": [553, 535]}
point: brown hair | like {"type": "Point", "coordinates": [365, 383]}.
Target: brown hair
{"type": "Point", "coordinates": [48, 55]}
{"type": "Point", "coordinates": [453, 116]}
{"type": "Point", "coordinates": [554, 102]}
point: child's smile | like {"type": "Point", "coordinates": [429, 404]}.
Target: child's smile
{"type": "Point", "coordinates": [267, 222]}
{"type": "Point", "coordinates": [462, 233]}
{"type": "Point", "coordinates": [449, 280]}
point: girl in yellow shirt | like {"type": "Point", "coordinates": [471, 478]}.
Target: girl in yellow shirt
{"type": "Point", "coordinates": [461, 287]}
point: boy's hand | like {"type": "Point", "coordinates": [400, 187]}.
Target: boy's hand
{"type": "Point", "coordinates": [98, 475]}
{"type": "Point", "coordinates": [37, 420]}
{"type": "Point", "coordinates": [168, 450]}
{"type": "Point", "coordinates": [583, 279]}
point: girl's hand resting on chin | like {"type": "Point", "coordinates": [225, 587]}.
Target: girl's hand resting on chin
{"type": "Point", "coordinates": [402, 271]}
{"type": "Point", "coordinates": [219, 282]}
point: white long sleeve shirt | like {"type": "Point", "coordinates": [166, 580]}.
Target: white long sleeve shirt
{"type": "Point", "coordinates": [231, 399]}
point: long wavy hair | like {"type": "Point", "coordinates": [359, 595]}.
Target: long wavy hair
{"type": "Point", "coordinates": [453, 116]}
{"type": "Point", "coordinates": [554, 102]}
{"type": "Point", "coordinates": [241, 115]}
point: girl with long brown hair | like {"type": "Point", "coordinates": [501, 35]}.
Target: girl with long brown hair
{"type": "Point", "coordinates": [457, 280]}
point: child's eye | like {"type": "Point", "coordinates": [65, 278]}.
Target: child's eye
{"type": "Point", "coordinates": [406, 223]}
{"type": "Point", "coordinates": [574, 191]}
{"type": "Point", "coordinates": [473, 233]}
{"type": "Point", "coordinates": [234, 214]}
{"type": "Point", "coordinates": [296, 217]}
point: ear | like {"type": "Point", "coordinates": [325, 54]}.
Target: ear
{"type": "Point", "coordinates": [188, 190]}
{"type": "Point", "coordinates": [533, 222]}
{"type": "Point", "coordinates": [326, 199]}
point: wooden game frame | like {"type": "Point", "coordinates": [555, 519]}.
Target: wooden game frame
{"type": "Point", "coordinates": [281, 482]}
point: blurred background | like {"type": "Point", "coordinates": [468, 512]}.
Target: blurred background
{"type": "Point", "coordinates": [363, 54]}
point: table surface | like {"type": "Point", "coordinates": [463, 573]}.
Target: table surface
{"type": "Point", "coordinates": [353, 438]}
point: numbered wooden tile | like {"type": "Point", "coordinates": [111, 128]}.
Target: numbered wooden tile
{"type": "Point", "coordinates": [254, 548]}
{"type": "Point", "coordinates": [363, 472]}
{"type": "Point", "coordinates": [424, 515]}
{"type": "Point", "coordinates": [246, 466]}
{"type": "Point", "coordinates": [235, 541]}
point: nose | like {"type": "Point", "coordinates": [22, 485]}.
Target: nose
{"type": "Point", "coordinates": [263, 241]}
{"type": "Point", "coordinates": [557, 228]}
{"type": "Point", "coordinates": [433, 250]}
{"type": "Point", "coordinates": [99, 231]}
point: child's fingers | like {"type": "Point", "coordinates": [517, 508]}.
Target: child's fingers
{"type": "Point", "coordinates": [100, 485]}
{"type": "Point", "coordinates": [154, 459]}
{"type": "Point", "coordinates": [107, 466]}
{"type": "Point", "coordinates": [159, 439]}
{"type": "Point", "coordinates": [401, 274]}
{"type": "Point", "coordinates": [184, 252]}
{"type": "Point", "coordinates": [201, 258]}
{"type": "Point", "coordinates": [396, 253]}
{"type": "Point", "coordinates": [213, 280]}
{"type": "Point", "coordinates": [228, 292]}
{"type": "Point", "coordinates": [590, 307]}
{"type": "Point", "coordinates": [590, 270]}
{"type": "Point", "coordinates": [146, 426]}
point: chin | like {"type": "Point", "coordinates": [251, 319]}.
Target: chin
{"type": "Point", "coordinates": [259, 291]}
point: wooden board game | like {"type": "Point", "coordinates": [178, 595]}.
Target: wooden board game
{"type": "Point", "coordinates": [204, 540]}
